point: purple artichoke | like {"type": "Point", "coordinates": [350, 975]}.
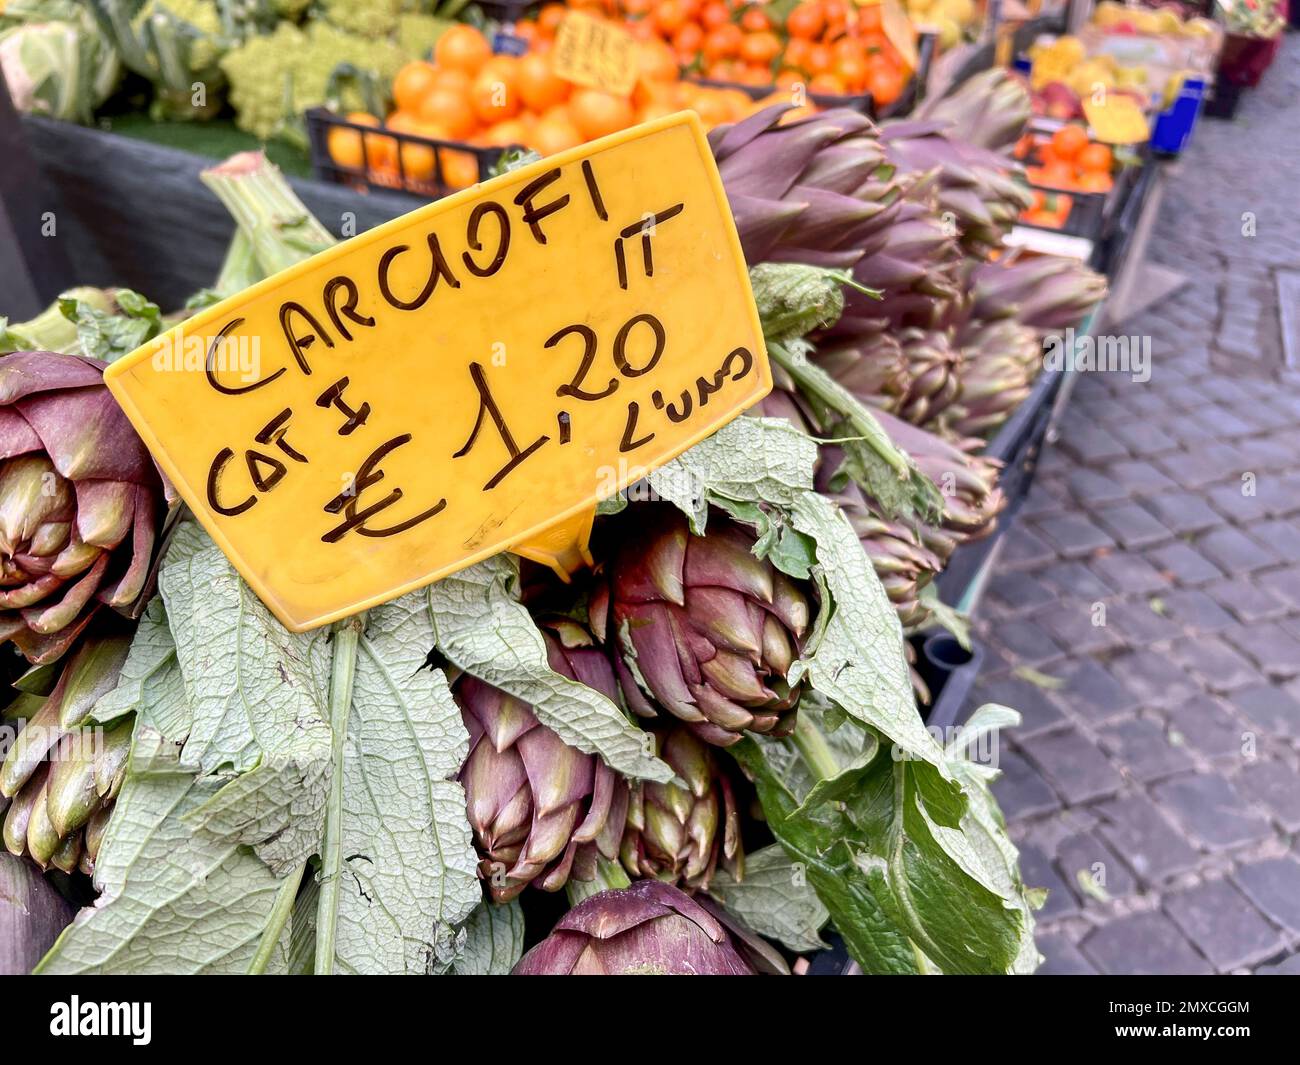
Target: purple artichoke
{"type": "Point", "coordinates": [677, 832]}
{"type": "Point", "coordinates": [702, 626]}
{"type": "Point", "coordinates": [80, 502]}
{"type": "Point", "coordinates": [649, 929]}
{"type": "Point", "coordinates": [541, 811]}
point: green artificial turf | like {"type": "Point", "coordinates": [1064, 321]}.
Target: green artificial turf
{"type": "Point", "coordinates": [217, 139]}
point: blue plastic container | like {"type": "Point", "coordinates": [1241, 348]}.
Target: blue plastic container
{"type": "Point", "coordinates": [1174, 127]}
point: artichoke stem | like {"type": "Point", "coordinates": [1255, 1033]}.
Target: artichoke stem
{"type": "Point", "coordinates": [814, 749]}
{"type": "Point", "coordinates": [609, 875]}
{"type": "Point", "coordinates": [347, 638]}
{"type": "Point", "coordinates": [275, 922]}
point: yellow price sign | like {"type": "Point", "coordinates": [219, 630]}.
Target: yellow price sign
{"type": "Point", "coordinates": [470, 378]}
{"type": "Point", "coordinates": [1116, 118]}
{"type": "Point", "coordinates": [595, 53]}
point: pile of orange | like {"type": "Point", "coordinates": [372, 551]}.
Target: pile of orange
{"type": "Point", "coordinates": [831, 46]}
{"type": "Point", "coordinates": [467, 94]}
{"type": "Point", "coordinates": [1068, 160]}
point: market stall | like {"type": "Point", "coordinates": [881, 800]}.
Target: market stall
{"type": "Point", "coordinates": [785, 273]}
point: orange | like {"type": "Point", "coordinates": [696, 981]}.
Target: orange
{"type": "Point", "coordinates": [539, 86]}
{"type": "Point", "coordinates": [806, 21]}
{"type": "Point", "coordinates": [754, 74]}
{"type": "Point", "coordinates": [597, 114]}
{"type": "Point", "coordinates": [452, 78]}
{"type": "Point", "coordinates": [760, 47]}
{"type": "Point", "coordinates": [451, 110]}
{"type": "Point", "coordinates": [712, 109]}
{"type": "Point", "coordinates": [495, 92]}
{"type": "Point", "coordinates": [462, 47]}
{"type": "Point", "coordinates": [1094, 180]}
{"type": "Point", "coordinates": [853, 71]}
{"type": "Point", "coordinates": [828, 83]}
{"type": "Point", "coordinates": [1069, 141]}
{"type": "Point", "coordinates": [549, 19]}
{"type": "Point", "coordinates": [715, 14]}
{"type": "Point", "coordinates": [722, 70]}
{"type": "Point", "coordinates": [655, 61]}
{"type": "Point", "coordinates": [755, 20]}
{"type": "Point", "coordinates": [669, 16]}
{"type": "Point", "coordinates": [687, 41]}
{"type": "Point", "coordinates": [413, 81]}
{"type": "Point", "coordinates": [555, 132]}
{"type": "Point", "coordinates": [417, 159]}
{"type": "Point", "coordinates": [871, 19]}
{"type": "Point", "coordinates": [885, 85]}
{"type": "Point", "coordinates": [504, 134]}
{"type": "Point", "coordinates": [723, 42]}
{"type": "Point", "coordinates": [345, 144]}
{"type": "Point", "coordinates": [1095, 157]}
{"type": "Point", "coordinates": [820, 59]}
{"type": "Point", "coordinates": [459, 169]}
{"type": "Point", "coordinates": [526, 28]}
{"type": "Point", "coordinates": [655, 109]}
{"type": "Point", "coordinates": [797, 51]}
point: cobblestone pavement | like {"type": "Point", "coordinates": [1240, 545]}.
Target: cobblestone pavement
{"type": "Point", "coordinates": [1155, 571]}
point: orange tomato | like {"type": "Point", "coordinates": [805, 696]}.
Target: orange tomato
{"type": "Point", "coordinates": [828, 83]}
{"type": "Point", "coordinates": [1095, 157]}
{"type": "Point", "coordinates": [715, 14]}
{"type": "Point", "coordinates": [1069, 141]}
{"type": "Point", "coordinates": [723, 42]}
{"type": "Point", "coordinates": [722, 70]}
{"type": "Point", "coordinates": [669, 16]}
{"type": "Point", "coordinates": [687, 41]}
{"type": "Point", "coordinates": [870, 19]}
{"type": "Point", "coordinates": [656, 61]}
{"type": "Point", "coordinates": [411, 83]}
{"type": "Point", "coordinates": [1094, 181]}
{"type": "Point", "coordinates": [853, 71]}
{"type": "Point", "coordinates": [820, 59]}
{"type": "Point", "coordinates": [539, 86]}
{"type": "Point", "coordinates": [462, 47]}
{"type": "Point", "coordinates": [796, 52]}
{"type": "Point", "coordinates": [755, 20]}
{"type": "Point", "coordinates": [597, 114]}
{"type": "Point", "coordinates": [806, 21]}
{"type": "Point", "coordinates": [549, 19]}
{"type": "Point", "coordinates": [760, 47]}
{"type": "Point", "coordinates": [754, 74]}
{"type": "Point", "coordinates": [885, 85]}
{"type": "Point", "coordinates": [451, 110]}
{"type": "Point", "coordinates": [555, 132]}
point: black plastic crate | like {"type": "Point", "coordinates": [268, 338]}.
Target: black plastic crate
{"type": "Point", "coordinates": [1018, 445]}
{"type": "Point", "coordinates": [322, 123]}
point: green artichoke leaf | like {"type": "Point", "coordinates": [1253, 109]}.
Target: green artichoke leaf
{"type": "Point", "coordinates": [794, 300]}
{"type": "Point", "coordinates": [897, 871]}
{"type": "Point", "coordinates": [493, 940]}
{"type": "Point", "coordinates": [102, 334]}
{"type": "Point", "coordinates": [145, 669]}
{"type": "Point", "coordinates": [859, 662]}
{"type": "Point", "coordinates": [175, 898]}
{"type": "Point", "coordinates": [774, 899]}
{"type": "Point", "coordinates": [817, 842]}
{"type": "Point", "coordinates": [480, 625]}
{"type": "Point", "coordinates": [408, 856]}
{"type": "Point", "coordinates": [258, 694]}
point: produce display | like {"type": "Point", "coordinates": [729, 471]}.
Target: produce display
{"type": "Point", "coordinates": [830, 46]}
{"type": "Point", "coordinates": [701, 749]}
